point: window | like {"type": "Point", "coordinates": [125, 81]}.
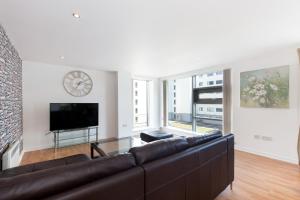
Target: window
{"type": "Point", "coordinates": [210, 109]}
{"type": "Point", "coordinates": [210, 82]}
{"type": "Point", "coordinates": [181, 115]}
{"type": "Point", "coordinates": [141, 103]}
{"type": "Point", "coordinates": [219, 82]}
{"type": "Point", "coordinates": [211, 99]}
{"type": "Point", "coordinates": [196, 105]}
{"type": "Point", "coordinates": [219, 109]}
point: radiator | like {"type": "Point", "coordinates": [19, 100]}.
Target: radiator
{"type": "Point", "coordinates": [11, 158]}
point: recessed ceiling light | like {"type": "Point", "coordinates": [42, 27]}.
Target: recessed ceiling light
{"type": "Point", "coordinates": [76, 14]}
{"type": "Point", "coordinates": [62, 57]}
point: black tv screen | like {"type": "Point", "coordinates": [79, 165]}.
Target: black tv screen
{"type": "Point", "coordinates": [64, 116]}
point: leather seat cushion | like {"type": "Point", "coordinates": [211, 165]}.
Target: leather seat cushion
{"type": "Point", "coordinates": [158, 149]}
{"type": "Point", "coordinates": [44, 165]}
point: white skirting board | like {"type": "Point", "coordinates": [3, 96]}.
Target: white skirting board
{"type": "Point", "coordinates": [268, 155]}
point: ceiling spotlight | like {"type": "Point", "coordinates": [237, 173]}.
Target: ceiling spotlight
{"type": "Point", "coordinates": [76, 14]}
{"type": "Point", "coordinates": [62, 57]}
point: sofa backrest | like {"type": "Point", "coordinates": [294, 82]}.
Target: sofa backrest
{"type": "Point", "coordinates": [158, 149]}
{"type": "Point", "coordinates": [201, 139]}
{"type": "Point", "coordinates": [127, 185]}
{"type": "Point", "coordinates": [45, 183]}
{"type": "Point", "coordinates": [70, 160]}
{"type": "Point", "coordinates": [200, 172]}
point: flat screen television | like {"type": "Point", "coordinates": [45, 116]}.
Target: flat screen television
{"type": "Point", "coordinates": [66, 116]}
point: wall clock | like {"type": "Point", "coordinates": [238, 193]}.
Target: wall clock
{"type": "Point", "coordinates": [78, 83]}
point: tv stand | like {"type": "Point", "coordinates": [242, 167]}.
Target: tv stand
{"type": "Point", "coordinates": [60, 135]}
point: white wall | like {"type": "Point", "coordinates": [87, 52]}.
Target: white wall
{"type": "Point", "coordinates": [280, 124]}
{"type": "Point", "coordinates": [42, 84]}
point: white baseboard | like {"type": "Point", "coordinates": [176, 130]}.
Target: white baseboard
{"type": "Point", "coordinates": [35, 148]}
{"type": "Point", "coordinates": [267, 154]}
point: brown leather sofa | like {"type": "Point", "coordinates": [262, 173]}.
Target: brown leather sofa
{"type": "Point", "coordinates": [171, 169]}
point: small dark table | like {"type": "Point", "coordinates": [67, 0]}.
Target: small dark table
{"type": "Point", "coordinates": [155, 135]}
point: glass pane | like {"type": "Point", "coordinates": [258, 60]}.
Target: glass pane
{"type": "Point", "coordinates": [180, 103]}
{"type": "Point", "coordinates": [140, 103]}
{"type": "Point", "coordinates": [209, 117]}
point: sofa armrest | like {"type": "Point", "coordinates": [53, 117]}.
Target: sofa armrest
{"type": "Point", "coordinates": [230, 156]}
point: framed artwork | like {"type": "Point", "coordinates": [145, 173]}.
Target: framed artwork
{"type": "Point", "coordinates": [265, 88]}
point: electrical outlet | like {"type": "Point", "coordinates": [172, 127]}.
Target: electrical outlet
{"type": "Point", "coordinates": [257, 137]}
{"type": "Point", "coordinates": [266, 138]}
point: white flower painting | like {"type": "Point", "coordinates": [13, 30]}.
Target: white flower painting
{"type": "Point", "coordinates": [266, 88]}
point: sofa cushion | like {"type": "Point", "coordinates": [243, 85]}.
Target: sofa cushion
{"type": "Point", "coordinates": [43, 183]}
{"type": "Point", "coordinates": [44, 165]}
{"type": "Point", "coordinates": [201, 139]}
{"type": "Point", "coordinates": [158, 149]}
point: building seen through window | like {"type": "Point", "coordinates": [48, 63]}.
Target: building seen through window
{"type": "Point", "coordinates": [203, 115]}
{"type": "Point", "coordinates": [141, 103]}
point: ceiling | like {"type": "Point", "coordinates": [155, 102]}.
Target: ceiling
{"type": "Point", "coordinates": [148, 37]}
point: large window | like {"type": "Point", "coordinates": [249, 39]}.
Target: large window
{"type": "Point", "coordinates": [141, 103]}
{"type": "Point", "coordinates": [196, 103]}
{"type": "Point", "coordinates": [180, 103]}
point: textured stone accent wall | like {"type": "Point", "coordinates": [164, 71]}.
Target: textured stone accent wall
{"type": "Point", "coordinates": [11, 127]}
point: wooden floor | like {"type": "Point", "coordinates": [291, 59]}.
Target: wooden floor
{"type": "Point", "coordinates": [256, 177]}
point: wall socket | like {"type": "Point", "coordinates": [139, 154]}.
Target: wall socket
{"type": "Point", "coordinates": [266, 138]}
{"type": "Point", "coordinates": [262, 137]}
{"type": "Point", "coordinates": [257, 137]}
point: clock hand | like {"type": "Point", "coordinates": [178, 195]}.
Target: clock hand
{"type": "Point", "coordinates": [78, 84]}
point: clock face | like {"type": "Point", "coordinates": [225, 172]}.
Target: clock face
{"type": "Point", "coordinates": [78, 83]}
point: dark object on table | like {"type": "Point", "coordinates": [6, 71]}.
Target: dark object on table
{"type": "Point", "coordinates": [155, 135]}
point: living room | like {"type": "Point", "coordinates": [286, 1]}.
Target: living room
{"type": "Point", "coordinates": [149, 100]}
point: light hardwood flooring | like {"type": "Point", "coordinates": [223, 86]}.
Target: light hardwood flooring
{"type": "Point", "coordinates": [50, 154]}
{"type": "Point", "coordinates": [256, 177]}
